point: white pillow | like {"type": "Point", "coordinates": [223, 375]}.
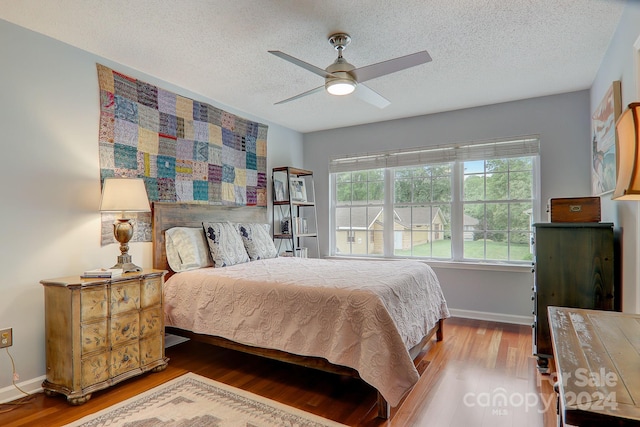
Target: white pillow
{"type": "Point", "coordinates": [257, 241]}
{"type": "Point", "coordinates": [225, 243]}
{"type": "Point", "coordinates": [187, 249]}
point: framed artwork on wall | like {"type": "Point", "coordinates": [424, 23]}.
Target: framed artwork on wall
{"type": "Point", "coordinates": [603, 142]}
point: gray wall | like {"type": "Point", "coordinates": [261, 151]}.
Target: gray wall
{"type": "Point", "coordinates": [50, 187]}
{"type": "Point", "coordinates": [622, 62]}
{"type": "Point", "coordinates": [563, 123]}
{"type": "Point", "coordinates": [50, 181]}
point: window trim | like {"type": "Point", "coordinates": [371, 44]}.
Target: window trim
{"type": "Point", "coordinates": [478, 150]}
{"type": "Point", "coordinates": [459, 265]}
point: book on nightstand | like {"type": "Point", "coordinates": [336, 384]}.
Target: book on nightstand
{"type": "Point", "coordinates": [102, 273]}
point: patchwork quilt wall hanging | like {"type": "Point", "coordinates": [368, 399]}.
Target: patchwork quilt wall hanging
{"type": "Point", "coordinates": [185, 150]}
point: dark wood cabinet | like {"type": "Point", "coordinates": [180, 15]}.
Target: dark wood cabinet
{"type": "Point", "coordinates": [574, 266]}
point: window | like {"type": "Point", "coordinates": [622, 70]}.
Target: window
{"type": "Point", "coordinates": [498, 207]}
{"type": "Point", "coordinates": [471, 202]}
{"type": "Point", "coordinates": [358, 208]}
{"type": "Point", "coordinates": [422, 207]}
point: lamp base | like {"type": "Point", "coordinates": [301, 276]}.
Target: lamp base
{"type": "Point", "coordinates": [124, 262]}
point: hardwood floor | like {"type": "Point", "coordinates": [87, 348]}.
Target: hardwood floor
{"type": "Point", "coordinates": [482, 374]}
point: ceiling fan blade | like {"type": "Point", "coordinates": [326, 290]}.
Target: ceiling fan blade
{"type": "Point", "coordinates": [390, 66]}
{"type": "Point", "coordinates": [309, 92]}
{"type": "Point", "coordinates": [299, 63]}
{"type": "Point", "coordinates": [369, 95]}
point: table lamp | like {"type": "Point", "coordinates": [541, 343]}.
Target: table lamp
{"type": "Point", "coordinates": [628, 155]}
{"type": "Point", "coordinates": [124, 195]}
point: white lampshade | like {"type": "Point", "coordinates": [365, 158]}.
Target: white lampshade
{"type": "Point", "coordinates": [628, 154]}
{"type": "Point", "coordinates": [124, 195]}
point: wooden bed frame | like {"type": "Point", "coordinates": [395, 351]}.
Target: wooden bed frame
{"type": "Point", "coordinates": [168, 215]}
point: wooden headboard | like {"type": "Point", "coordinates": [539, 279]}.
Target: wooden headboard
{"type": "Point", "coordinates": [168, 215]}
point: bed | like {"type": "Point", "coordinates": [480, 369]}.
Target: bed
{"type": "Point", "coordinates": [311, 312]}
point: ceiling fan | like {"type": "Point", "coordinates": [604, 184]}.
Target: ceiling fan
{"type": "Point", "coordinates": [342, 78]}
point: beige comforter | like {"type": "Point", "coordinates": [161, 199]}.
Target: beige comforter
{"type": "Point", "coordinates": [360, 314]}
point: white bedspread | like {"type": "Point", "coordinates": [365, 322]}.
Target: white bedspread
{"type": "Point", "coordinates": [360, 314]}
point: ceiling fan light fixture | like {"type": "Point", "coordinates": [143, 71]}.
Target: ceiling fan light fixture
{"type": "Point", "coordinates": [340, 86]}
{"type": "Point", "coordinates": [341, 77]}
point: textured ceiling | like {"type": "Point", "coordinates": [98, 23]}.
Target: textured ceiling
{"type": "Point", "coordinates": [484, 51]}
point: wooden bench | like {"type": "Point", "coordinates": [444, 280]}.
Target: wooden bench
{"type": "Point", "coordinates": [597, 358]}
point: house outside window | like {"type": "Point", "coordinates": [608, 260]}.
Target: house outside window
{"type": "Point", "coordinates": [464, 202]}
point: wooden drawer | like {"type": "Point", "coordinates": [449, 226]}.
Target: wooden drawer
{"type": "Point", "coordinates": [124, 328]}
{"type": "Point", "coordinates": [125, 358]}
{"type": "Point", "coordinates": [93, 336]}
{"type": "Point", "coordinates": [95, 369]}
{"type": "Point", "coordinates": [151, 350]}
{"type": "Point", "coordinates": [125, 296]}
{"type": "Point", "coordinates": [151, 292]}
{"type": "Point", "coordinates": [93, 303]}
{"type": "Point", "coordinates": [151, 322]}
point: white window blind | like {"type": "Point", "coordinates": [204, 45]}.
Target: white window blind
{"type": "Point", "coordinates": [483, 150]}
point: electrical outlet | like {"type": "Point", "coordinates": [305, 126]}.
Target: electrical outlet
{"type": "Point", "coordinates": [6, 337]}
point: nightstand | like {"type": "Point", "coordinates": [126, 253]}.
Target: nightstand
{"type": "Point", "coordinates": [102, 331]}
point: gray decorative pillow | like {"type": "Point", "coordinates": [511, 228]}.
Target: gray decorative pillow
{"type": "Point", "coordinates": [225, 244]}
{"type": "Point", "coordinates": [257, 241]}
{"type": "Point", "coordinates": [187, 249]}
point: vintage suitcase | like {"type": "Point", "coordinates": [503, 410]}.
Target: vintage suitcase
{"type": "Point", "coordinates": [575, 209]}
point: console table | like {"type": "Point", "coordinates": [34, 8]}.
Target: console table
{"type": "Point", "coordinates": [597, 358]}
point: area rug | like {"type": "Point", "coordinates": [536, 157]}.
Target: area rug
{"type": "Point", "coordinates": [193, 400]}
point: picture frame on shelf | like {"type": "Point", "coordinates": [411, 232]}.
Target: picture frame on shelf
{"type": "Point", "coordinates": [278, 191]}
{"type": "Point", "coordinates": [285, 225]}
{"type": "Point", "coordinates": [297, 190]}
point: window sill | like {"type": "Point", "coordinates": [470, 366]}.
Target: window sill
{"type": "Point", "coordinates": [457, 265]}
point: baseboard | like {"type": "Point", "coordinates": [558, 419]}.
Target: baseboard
{"type": "Point", "coordinates": [170, 340]}
{"type": "Point", "coordinates": [10, 393]}
{"type": "Point", "coordinates": [31, 386]}
{"type": "Point", "coordinates": [34, 385]}
{"type": "Point", "coordinates": [495, 317]}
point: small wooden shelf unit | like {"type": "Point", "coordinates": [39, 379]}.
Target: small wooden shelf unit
{"type": "Point", "coordinates": [295, 210]}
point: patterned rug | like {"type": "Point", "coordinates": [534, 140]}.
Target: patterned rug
{"type": "Point", "coordinates": [195, 401]}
